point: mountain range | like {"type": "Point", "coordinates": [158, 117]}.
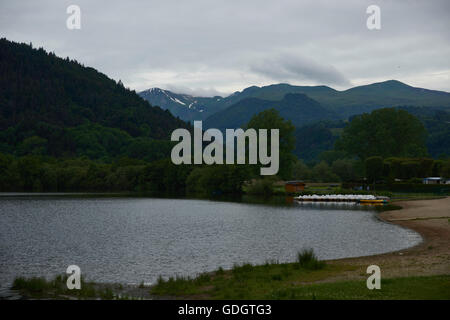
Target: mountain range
{"type": "Point", "coordinates": [338, 104]}
{"type": "Point", "coordinates": [297, 107]}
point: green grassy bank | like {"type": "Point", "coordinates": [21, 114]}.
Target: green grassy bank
{"type": "Point", "coordinates": [291, 281]}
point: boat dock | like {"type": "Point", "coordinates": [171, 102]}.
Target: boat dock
{"type": "Point", "coordinates": [360, 198]}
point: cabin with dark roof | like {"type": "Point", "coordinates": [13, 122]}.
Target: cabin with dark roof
{"type": "Point", "coordinates": [294, 186]}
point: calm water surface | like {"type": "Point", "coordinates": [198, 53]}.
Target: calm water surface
{"type": "Point", "coordinates": [130, 240]}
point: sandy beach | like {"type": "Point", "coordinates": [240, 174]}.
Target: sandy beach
{"type": "Point", "coordinates": [430, 218]}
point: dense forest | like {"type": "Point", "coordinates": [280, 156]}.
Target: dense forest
{"type": "Point", "coordinates": [437, 123]}
{"type": "Point", "coordinates": [314, 139]}
{"type": "Point", "coordinates": [345, 164]}
{"type": "Point", "coordinates": [58, 107]}
{"type": "Point", "coordinates": [386, 145]}
{"type": "Point", "coordinates": [158, 177]}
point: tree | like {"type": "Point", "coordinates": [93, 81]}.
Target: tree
{"type": "Point", "coordinates": [374, 168]}
{"type": "Point", "coordinates": [300, 171]}
{"type": "Point", "coordinates": [445, 171]}
{"type": "Point", "coordinates": [217, 179]}
{"type": "Point", "coordinates": [345, 169]}
{"type": "Point", "coordinates": [322, 173]}
{"type": "Point", "coordinates": [33, 145]}
{"type": "Point", "coordinates": [313, 139]}
{"type": "Point", "coordinates": [270, 119]}
{"type": "Point", "coordinates": [384, 132]}
{"type": "Point", "coordinates": [332, 155]}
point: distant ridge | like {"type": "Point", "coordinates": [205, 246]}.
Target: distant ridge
{"type": "Point", "coordinates": [296, 107]}
{"type": "Point", "coordinates": [356, 100]}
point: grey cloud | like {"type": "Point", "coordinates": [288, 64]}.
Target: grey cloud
{"type": "Point", "coordinates": [287, 68]}
{"type": "Point", "coordinates": [206, 46]}
{"type": "Point", "coordinates": [197, 92]}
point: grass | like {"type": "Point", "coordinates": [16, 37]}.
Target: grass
{"type": "Point", "coordinates": [269, 281]}
{"type": "Point", "coordinates": [288, 281]}
{"type": "Point", "coordinates": [248, 281]}
{"type": "Point", "coordinates": [33, 285]}
{"type": "Point", "coordinates": [408, 288]}
{"type": "Point", "coordinates": [39, 287]}
{"type": "Point", "coordinates": [297, 280]}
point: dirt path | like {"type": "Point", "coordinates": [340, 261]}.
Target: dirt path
{"type": "Point", "coordinates": [430, 218]}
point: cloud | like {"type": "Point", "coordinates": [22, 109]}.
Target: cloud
{"type": "Point", "coordinates": [196, 92]}
{"type": "Point", "coordinates": [288, 68]}
{"type": "Point", "coordinates": [208, 46]}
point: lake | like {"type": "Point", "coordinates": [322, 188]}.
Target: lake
{"type": "Point", "coordinates": [130, 240]}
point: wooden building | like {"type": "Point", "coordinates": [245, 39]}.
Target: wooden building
{"type": "Point", "coordinates": [294, 186]}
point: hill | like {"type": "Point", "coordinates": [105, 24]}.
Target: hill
{"type": "Point", "coordinates": [185, 106]}
{"type": "Point", "coordinates": [58, 107]}
{"type": "Point", "coordinates": [345, 103]}
{"type": "Point", "coordinates": [180, 105]}
{"type": "Point", "coordinates": [356, 100]}
{"type": "Point", "coordinates": [298, 108]}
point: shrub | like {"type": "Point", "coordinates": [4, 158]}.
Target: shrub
{"type": "Point", "coordinates": [33, 285]}
{"type": "Point", "coordinates": [262, 186]}
{"type": "Point", "coordinates": [307, 259]}
{"type": "Point", "coordinates": [220, 271]}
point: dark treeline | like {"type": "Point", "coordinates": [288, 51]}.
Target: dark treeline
{"type": "Point", "coordinates": [38, 172]}
{"type": "Point", "coordinates": [46, 174]}
{"type": "Point", "coordinates": [387, 144]}
{"type": "Point", "coordinates": [373, 168]}
{"type": "Point", "coordinates": [405, 168]}
{"type": "Point", "coordinates": [353, 159]}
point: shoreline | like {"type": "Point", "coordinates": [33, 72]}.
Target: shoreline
{"type": "Point", "coordinates": [431, 257]}
{"type": "Point", "coordinates": [430, 219]}
{"type": "Point", "coordinates": [418, 272]}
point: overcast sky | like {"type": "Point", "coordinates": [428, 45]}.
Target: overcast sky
{"type": "Point", "coordinates": [207, 47]}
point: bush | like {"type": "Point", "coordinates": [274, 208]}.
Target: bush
{"type": "Point", "coordinates": [307, 259]}
{"type": "Point", "coordinates": [40, 287]}
{"type": "Point", "coordinates": [33, 285]}
{"type": "Point", "coordinates": [216, 180]}
{"type": "Point", "coordinates": [220, 271]}
{"type": "Point", "coordinates": [262, 186]}
{"type": "Point", "coordinates": [323, 173]}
